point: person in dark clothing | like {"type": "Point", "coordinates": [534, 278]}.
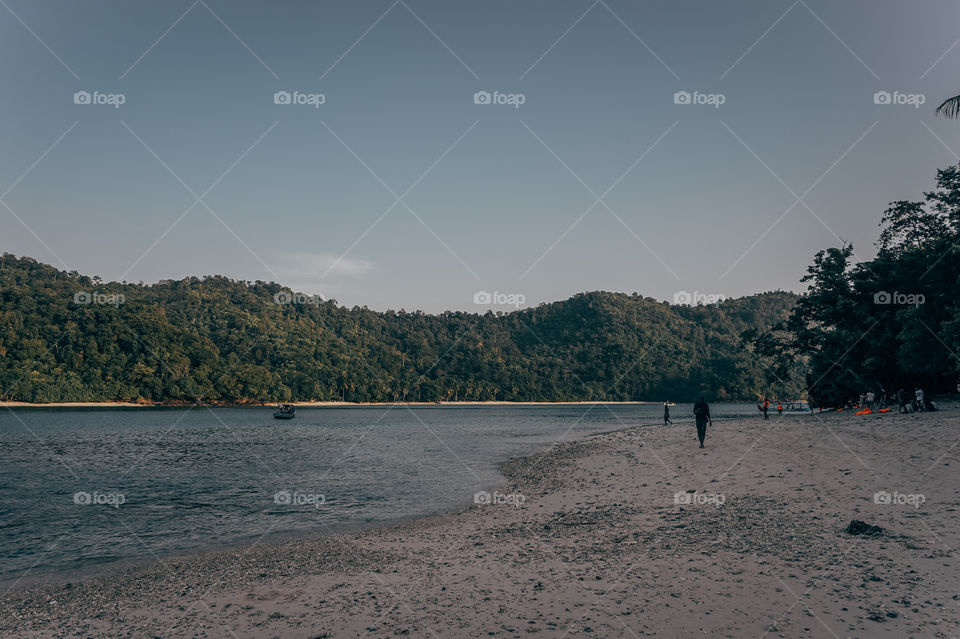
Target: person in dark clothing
{"type": "Point", "coordinates": [666, 415]}
{"type": "Point", "coordinates": [701, 411]}
{"type": "Point", "coordinates": [766, 407]}
{"type": "Point", "coordinates": [901, 402]}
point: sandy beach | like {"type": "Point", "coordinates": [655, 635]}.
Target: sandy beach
{"type": "Point", "coordinates": [589, 540]}
{"type": "Point", "coordinates": [74, 405]}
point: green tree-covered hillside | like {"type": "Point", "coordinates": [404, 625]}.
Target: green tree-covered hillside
{"type": "Point", "coordinates": [67, 337]}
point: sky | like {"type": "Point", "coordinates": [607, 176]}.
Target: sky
{"type": "Point", "coordinates": [417, 154]}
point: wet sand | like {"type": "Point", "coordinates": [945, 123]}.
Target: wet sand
{"type": "Point", "coordinates": [599, 547]}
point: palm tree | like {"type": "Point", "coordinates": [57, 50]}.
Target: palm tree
{"type": "Point", "coordinates": [950, 108]}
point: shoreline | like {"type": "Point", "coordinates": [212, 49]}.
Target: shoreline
{"type": "Point", "coordinates": [115, 568]}
{"type": "Point", "coordinates": [599, 548]}
{"type": "Point", "coordinates": [317, 404]}
{"type": "Point", "coordinates": [110, 571]}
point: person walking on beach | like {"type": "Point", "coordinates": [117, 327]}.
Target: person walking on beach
{"type": "Point", "coordinates": [666, 414]}
{"type": "Point", "coordinates": [766, 407]}
{"type": "Point", "coordinates": [901, 402]}
{"type": "Point", "coordinates": [779, 409]}
{"type": "Point", "coordinates": [701, 411]}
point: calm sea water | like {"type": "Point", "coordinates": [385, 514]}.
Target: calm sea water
{"type": "Point", "coordinates": [86, 488]}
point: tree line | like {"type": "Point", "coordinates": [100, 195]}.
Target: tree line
{"type": "Point", "coordinates": [69, 337]}
{"type": "Point", "coordinates": [884, 324]}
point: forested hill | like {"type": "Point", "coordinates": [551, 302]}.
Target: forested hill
{"type": "Point", "coordinates": [67, 337]}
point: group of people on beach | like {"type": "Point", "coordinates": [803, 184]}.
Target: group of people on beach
{"type": "Point", "coordinates": [921, 403]}
{"type": "Point", "coordinates": [917, 404]}
{"type": "Point", "coordinates": [763, 405]}
{"type": "Point", "coordinates": [701, 410]}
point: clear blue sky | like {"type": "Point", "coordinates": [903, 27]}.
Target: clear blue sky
{"type": "Point", "coordinates": [492, 197]}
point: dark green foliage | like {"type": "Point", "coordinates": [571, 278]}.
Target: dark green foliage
{"type": "Point", "coordinates": [886, 324]}
{"type": "Point", "coordinates": [224, 340]}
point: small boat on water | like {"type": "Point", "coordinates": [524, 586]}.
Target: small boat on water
{"type": "Point", "coordinates": [285, 411]}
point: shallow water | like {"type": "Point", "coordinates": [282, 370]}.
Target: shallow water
{"type": "Point", "coordinates": [83, 488]}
